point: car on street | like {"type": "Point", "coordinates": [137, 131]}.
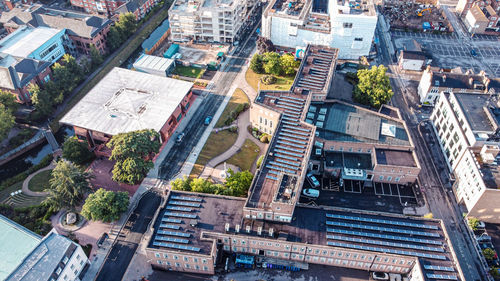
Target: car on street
{"type": "Point", "coordinates": [208, 120]}
{"type": "Point", "coordinates": [473, 52]}
{"type": "Point", "coordinates": [311, 193]}
{"type": "Point", "coordinates": [313, 180]}
{"type": "Point", "coordinates": [179, 137]}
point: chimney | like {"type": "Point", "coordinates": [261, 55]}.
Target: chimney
{"type": "Point", "coordinates": [248, 228]}
{"type": "Point", "coordinates": [271, 232]}
{"type": "Point", "coordinates": [259, 230]}
{"type": "Point", "coordinates": [471, 81]}
{"type": "Point", "coordinates": [237, 228]}
{"type": "Point", "coordinates": [444, 78]}
{"type": "Point", "coordinates": [227, 227]}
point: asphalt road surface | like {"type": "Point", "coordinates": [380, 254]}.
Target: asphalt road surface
{"type": "Point", "coordinates": [434, 177]}
{"type": "Point", "coordinates": [123, 250]}
{"type": "Point", "coordinates": [174, 160]}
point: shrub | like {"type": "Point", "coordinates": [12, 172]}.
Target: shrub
{"type": "Point", "coordinates": [268, 79]}
{"type": "Point", "coordinates": [489, 254]}
{"type": "Point", "coordinates": [265, 138]}
{"type": "Point", "coordinates": [259, 161]}
{"type": "Point", "coordinates": [473, 223]}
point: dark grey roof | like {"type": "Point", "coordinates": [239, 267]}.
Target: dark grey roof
{"type": "Point", "coordinates": [413, 55]}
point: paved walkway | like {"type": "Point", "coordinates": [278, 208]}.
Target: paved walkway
{"type": "Point", "coordinates": [26, 182]}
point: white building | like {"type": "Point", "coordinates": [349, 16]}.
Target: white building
{"type": "Point", "coordinates": [27, 256]}
{"type": "Point", "coordinates": [466, 127]}
{"type": "Point", "coordinates": [339, 24]}
{"type": "Point", "coordinates": [209, 20]}
{"type": "Point", "coordinates": [154, 65]}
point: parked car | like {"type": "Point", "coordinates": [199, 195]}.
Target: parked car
{"type": "Point", "coordinates": [311, 193]}
{"type": "Point", "coordinates": [313, 180]}
{"type": "Point", "coordinates": [208, 120]}
{"type": "Point", "coordinates": [179, 137]}
{"type": "Point", "coordinates": [380, 276]}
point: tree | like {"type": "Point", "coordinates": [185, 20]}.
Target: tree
{"type": "Point", "coordinates": [473, 223]}
{"type": "Point", "coordinates": [133, 152]}
{"type": "Point", "coordinates": [8, 100]}
{"type": "Point", "coordinates": [272, 63]}
{"type": "Point", "coordinates": [114, 39]}
{"type": "Point", "coordinates": [41, 99]}
{"type": "Point", "coordinates": [373, 87]}
{"type": "Point", "coordinates": [7, 121]}
{"type": "Point", "coordinates": [256, 64]}
{"type": "Point", "coordinates": [489, 254]}
{"type": "Point", "coordinates": [238, 183]}
{"type": "Point", "coordinates": [181, 184]}
{"type": "Point", "coordinates": [95, 57]}
{"type": "Point", "coordinates": [68, 185]}
{"type": "Point", "coordinates": [105, 205]}
{"type": "Point", "coordinates": [123, 28]}
{"type": "Point", "coordinates": [264, 45]}
{"type": "Point", "coordinates": [76, 151]}
{"type": "Point", "coordinates": [289, 64]}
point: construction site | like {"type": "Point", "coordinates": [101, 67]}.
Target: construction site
{"type": "Point", "coordinates": [416, 16]}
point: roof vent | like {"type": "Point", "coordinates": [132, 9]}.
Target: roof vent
{"type": "Point", "coordinates": [237, 228]}
{"type": "Point", "coordinates": [227, 227]}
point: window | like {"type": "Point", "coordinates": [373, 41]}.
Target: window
{"type": "Point", "coordinates": [159, 261]}
{"type": "Point", "coordinates": [65, 277]}
{"type": "Point", "coordinates": [177, 264]}
{"type": "Point", "coordinates": [65, 260]}
{"type": "Point", "coordinates": [176, 257]}
{"type": "Point", "coordinates": [186, 259]}
{"type": "Point", "coordinates": [205, 268]}
{"type": "Point", "coordinates": [381, 178]}
{"type": "Point", "coordinates": [157, 255]}
{"type": "Point", "coordinates": [358, 39]}
{"type": "Point", "coordinates": [165, 256]}
{"type": "Point", "coordinates": [48, 50]}
{"type": "Point", "coordinates": [389, 178]}
{"type": "Point", "coordinates": [195, 259]}
{"type": "Point", "coordinates": [77, 257]}
{"type": "Point", "coordinates": [76, 271]}
{"type": "Point", "coordinates": [179, 117]}
{"type": "Point", "coordinates": [347, 24]}
{"type": "Point", "coordinates": [58, 270]}
{"type": "Point", "coordinates": [187, 265]}
{"type": "Point", "coordinates": [72, 267]}
{"type": "Point", "coordinates": [260, 119]}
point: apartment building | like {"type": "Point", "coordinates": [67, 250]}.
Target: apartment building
{"type": "Point", "coordinates": [221, 21]}
{"type": "Point", "coordinates": [27, 256]}
{"type": "Point", "coordinates": [82, 30]}
{"type": "Point", "coordinates": [480, 16]}
{"type": "Point", "coordinates": [140, 8]}
{"type": "Point", "coordinates": [345, 25]}
{"type": "Point", "coordinates": [105, 7]}
{"type": "Point", "coordinates": [433, 82]}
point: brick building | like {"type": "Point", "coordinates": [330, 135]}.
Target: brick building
{"type": "Point", "coordinates": [139, 8]}
{"type": "Point", "coordinates": [126, 100]}
{"type": "Point", "coordinates": [480, 16]}
{"type": "Point", "coordinates": [106, 7]}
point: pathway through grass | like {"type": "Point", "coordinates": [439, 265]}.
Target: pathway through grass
{"type": "Point", "coordinates": [40, 181]}
{"type": "Point", "coordinates": [246, 156]}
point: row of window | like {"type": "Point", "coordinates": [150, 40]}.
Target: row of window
{"type": "Point", "coordinates": [186, 265]}
{"type": "Point", "coordinates": [175, 257]}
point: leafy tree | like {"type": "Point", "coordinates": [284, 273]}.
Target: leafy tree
{"type": "Point", "coordinates": [181, 184]}
{"type": "Point", "coordinates": [68, 185]}
{"type": "Point", "coordinates": [105, 205]}
{"type": "Point", "coordinates": [41, 99]}
{"type": "Point", "coordinates": [123, 29]}
{"type": "Point", "coordinates": [8, 100]}
{"type": "Point", "coordinates": [489, 254]}
{"type": "Point", "coordinates": [114, 39]}
{"type": "Point", "coordinates": [373, 88]}
{"type": "Point", "coordinates": [132, 152]}
{"type": "Point", "coordinates": [95, 57]}
{"type": "Point", "coordinates": [289, 64]}
{"type": "Point", "coordinates": [272, 63]}
{"type": "Point", "coordinates": [239, 183]}
{"type": "Point", "coordinates": [256, 64]}
{"type": "Point", "coordinates": [7, 121]}
{"type": "Point", "coordinates": [473, 223]}
{"type": "Point", "coordinates": [494, 272]}
{"type": "Point", "coordinates": [76, 151]}
{"type": "Point", "coordinates": [264, 45]}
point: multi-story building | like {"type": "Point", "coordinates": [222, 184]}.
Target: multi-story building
{"type": "Point", "coordinates": [480, 16]}
{"type": "Point", "coordinates": [341, 24]}
{"type": "Point", "coordinates": [27, 256]}
{"type": "Point", "coordinates": [125, 101]}
{"type": "Point", "coordinates": [220, 21]}
{"type": "Point", "coordinates": [105, 7]}
{"type": "Point", "coordinates": [466, 125]}
{"type": "Point", "coordinates": [432, 83]}
{"type": "Point", "coordinates": [17, 74]}
{"type": "Point", "coordinates": [82, 29]}
{"type": "Point", "coordinates": [140, 8]}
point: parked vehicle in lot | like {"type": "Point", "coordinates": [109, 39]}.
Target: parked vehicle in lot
{"type": "Point", "coordinates": [179, 137]}
{"type": "Point", "coordinates": [311, 193]}
{"type": "Point", "coordinates": [313, 180]}
{"type": "Point", "coordinates": [208, 120]}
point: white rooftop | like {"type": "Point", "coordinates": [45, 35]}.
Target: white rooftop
{"type": "Point", "coordinates": [126, 100]}
{"type": "Point", "coordinates": [25, 40]}
{"type": "Point", "coordinates": [153, 62]}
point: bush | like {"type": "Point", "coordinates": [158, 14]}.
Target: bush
{"type": "Point", "coordinates": [259, 161]}
{"type": "Point", "coordinates": [34, 218]}
{"type": "Point", "coordinates": [268, 79]}
{"type": "Point", "coordinates": [265, 138]}
{"type": "Point", "coordinates": [233, 115]}
{"type": "Point", "coordinates": [473, 223]}
{"type": "Point", "coordinates": [20, 138]}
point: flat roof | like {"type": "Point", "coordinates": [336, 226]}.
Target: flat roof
{"type": "Point", "coordinates": [210, 212]}
{"type": "Point", "coordinates": [153, 62]}
{"type": "Point", "coordinates": [474, 108]}
{"type": "Point", "coordinates": [149, 43]}
{"type": "Point", "coordinates": [348, 123]}
{"type": "Point", "coordinates": [16, 242]}
{"type": "Point", "coordinates": [25, 40]}
{"type": "Point", "coordinates": [478, 14]}
{"type": "Point", "coordinates": [395, 157]}
{"type": "Point", "coordinates": [126, 100]}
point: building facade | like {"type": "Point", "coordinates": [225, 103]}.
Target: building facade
{"type": "Point", "coordinates": [106, 7]}
{"type": "Point", "coordinates": [295, 24]}
{"type": "Point", "coordinates": [140, 8]}
{"type": "Point", "coordinates": [209, 21]}
{"type": "Point", "coordinates": [480, 16]}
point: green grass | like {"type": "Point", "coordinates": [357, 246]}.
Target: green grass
{"type": "Point", "coordinates": [216, 144]}
{"type": "Point", "coordinates": [115, 62]}
{"type": "Point", "coordinates": [246, 156]}
{"type": "Point", "coordinates": [283, 83]}
{"type": "Point", "coordinates": [20, 200]}
{"type": "Point", "coordinates": [189, 71]}
{"type": "Point", "coordinates": [40, 181]}
{"type": "Point", "coordinates": [239, 97]}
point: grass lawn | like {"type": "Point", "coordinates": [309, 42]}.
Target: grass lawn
{"type": "Point", "coordinates": [20, 200]}
{"type": "Point", "coordinates": [246, 156]}
{"type": "Point", "coordinates": [239, 97]}
{"type": "Point", "coordinates": [115, 62]}
{"type": "Point", "coordinates": [189, 71]}
{"type": "Point", "coordinates": [40, 181]}
{"type": "Point", "coordinates": [216, 144]}
{"type": "Point", "coordinates": [283, 83]}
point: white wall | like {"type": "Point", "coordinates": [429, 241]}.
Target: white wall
{"type": "Point", "coordinates": [74, 266]}
{"type": "Point", "coordinates": [470, 185]}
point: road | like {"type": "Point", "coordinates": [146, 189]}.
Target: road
{"type": "Point", "coordinates": [213, 98]}
{"type": "Point", "coordinates": [123, 250]}
{"type": "Point", "coordinates": [434, 177]}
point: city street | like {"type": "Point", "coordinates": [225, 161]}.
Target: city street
{"type": "Point", "coordinates": [434, 176]}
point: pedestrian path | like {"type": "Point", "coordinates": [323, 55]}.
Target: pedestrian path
{"type": "Point", "coordinates": [26, 182]}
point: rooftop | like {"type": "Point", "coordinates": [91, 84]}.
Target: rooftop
{"type": "Point", "coordinates": [185, 215]}
{"type": "Point", "coordinates": [126, 100]}
{"type": "Point", "coordinates": [344, 122]}
{"type": "Point", "coordinates": [395, 157]}
{"type": "Point", "coordinates": [149, 43]}
{"type": "Point", "coordinates": [197, 5]}
{"type": "Point", "coordinates": [457, 80]}
{"type": "Point", "coordinates": [302, 9]}
{"type": "Point", "coordinates": [25, 40]}
{"type": "Point", "coordinates": [18, 72]}
{"type": "Point", "coordinates": [478, 14]}
{"type": "Point", "coordinates": [16, 242]}
{"type": "Point", "coordinates": [153, 62]}
{"type": "Point", "coordinates": [474, 108]}
{"type": "Point", "coordinates": [42, 262]}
